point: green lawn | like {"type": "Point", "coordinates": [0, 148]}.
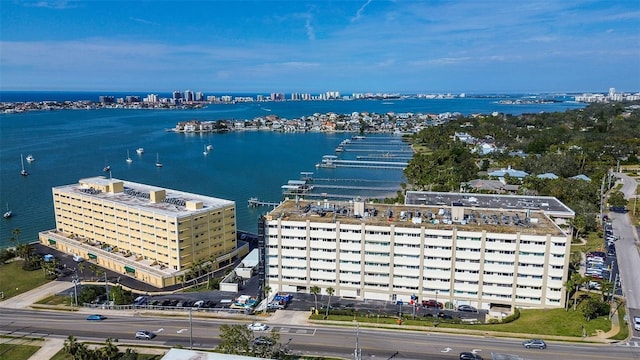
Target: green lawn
{"type": "Point", "coordinates": [557, 322]}
{"type": "Point", "coordinates": [17, 352]}
{"type": "Point", "coordinates": [56, 300]}
{"type": "Point", "coordinates": [624, 328]}
{"type": "Point", "coordinates": [549, 322]}
{"type": "Point", "coordinates": [14, 280]}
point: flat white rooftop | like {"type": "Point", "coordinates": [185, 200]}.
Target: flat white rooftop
{"type": "Point", "coordinates": [136, 195]}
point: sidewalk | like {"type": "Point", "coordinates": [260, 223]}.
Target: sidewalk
{"type": "Point", "coordinates": [24, 300]}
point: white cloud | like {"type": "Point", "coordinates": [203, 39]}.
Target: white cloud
{"type": "Point", "coordinates": [54, 4]}
{"type": "Point", "coordinates": [360, 11]}
{"type": "Point", "coordinates": [141, 21]}
{"type": "Point", "coordinates": [311, 35]}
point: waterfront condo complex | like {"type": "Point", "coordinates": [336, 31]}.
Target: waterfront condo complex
{"type": "Point", "coordinates": [146, 232]}
{"type": "Point", "coordinates": [493, 252]}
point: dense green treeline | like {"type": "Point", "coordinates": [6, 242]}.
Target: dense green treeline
{"type": "Point", "coordinates": [589, 141]}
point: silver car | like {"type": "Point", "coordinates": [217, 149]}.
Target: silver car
{"type": "Point", "coordinates": [534, 343]}
{"type": "Point", "coordinates": [145, 335]}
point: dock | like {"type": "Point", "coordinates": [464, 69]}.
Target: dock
{"type": "Point", "coordinates": [254, 202]}
{"type": "Point", "coordinates": [328, 162]}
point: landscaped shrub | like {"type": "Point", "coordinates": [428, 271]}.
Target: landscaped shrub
{"type": "Point", "coordinates": [513, 317]}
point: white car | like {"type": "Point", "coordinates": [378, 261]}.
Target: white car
{"type": "Point", "coordinates": [636, 322]}
{"type": "Point", "coordinates": [257, 327]}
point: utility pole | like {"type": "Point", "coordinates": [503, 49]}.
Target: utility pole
{"type": "Point", "coordinates": [358, 352]}
{"type": "Point", "coordinates": [613, 263]}
{"type": "Point", "coordinates": [613, 291]}
{"type": "Point", "coordinates": [75, 288]}
{"type": "Point", "coordinates": [106, 286]}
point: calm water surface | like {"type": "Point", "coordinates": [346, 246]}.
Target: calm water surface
{"type": "Point", "coordinates": [73, 144]}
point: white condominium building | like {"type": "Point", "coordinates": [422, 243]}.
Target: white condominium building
{"type": "Point", "coordinates": [150, 233]}
{"type": "Point", "coordinates": [481, 250]}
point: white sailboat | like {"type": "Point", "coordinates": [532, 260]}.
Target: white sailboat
{"type": "Point", "coordinates": [158, 163]}
{"type": "Point", "coordinates": [8, 213]}
{"type": "Point", "coordinates": [128, 160]}
{"type": "Point", "coordinates": [205, 152]}
{"type": "Point", "coordinates": [23, 172]}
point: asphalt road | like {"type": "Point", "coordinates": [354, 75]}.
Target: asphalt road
{"type": "Point", "coordinates": [308, 340]}
{"type": "Point", "coordinates": [628, 257]}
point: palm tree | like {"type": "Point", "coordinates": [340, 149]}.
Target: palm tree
{"type": "Point", "coordinates": [16, 235]}
{"type": "Point", "coordinates": [71, 346]}
{"type": "Point", "coordinates": [109, 351]}
{"type": "Point", "coordinates": [129, 355]}
{"type": "Point", "coordinates": [329, 292]}
{"type": "Point", "coordinates": [266, 290]}
{"type": "Point", "coordinates": [84, 353]}
{"type": "Point", "coordinates": [93, 268]}
{"type": "Point", "coordinates": [315, 290]}
{"type": "Point", "coordinates": [81, 267]}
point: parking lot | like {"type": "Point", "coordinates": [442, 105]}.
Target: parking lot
{"type": "Point", "coordinates": [306, 302]}
{"type": "Point", "coordinates": [148, 297]}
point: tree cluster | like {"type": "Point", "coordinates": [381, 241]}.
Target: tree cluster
{"type": "Point", "coordinates": [80, 351]}
{"type": "Point", "coordinates": [588, 141]}
{"type": "Point", "coordinates": [239, 340]}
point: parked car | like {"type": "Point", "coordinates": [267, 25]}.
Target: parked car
{"type": "Point", "coordinates": [432, 304]}
{"type": "Point", "coordinates": [469, 356]}
{"type": "Point", "coordinates": [145, 335]}
{"type": "Point", "coordinates": [96, 317]}
{"type": "Point", "coordinates": [636, 322]}
{"type": "Point", "coordinates": [594, 285]}
{"type": "Point", "coordinates": [257, 327]}
{"type": "Point", "coordinates": [534, 343]}
{"type": "Point", "coordinates": [140, 300]}
{"type": "Point", "coordinates": [275, 305]}
{"type": "Point", "coordinates": [467, 308]}
{"type": "Point", "coordinates": [77, 258]}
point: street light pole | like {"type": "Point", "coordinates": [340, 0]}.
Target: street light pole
{"type": "Point", "coordinates": [190, 330]}
{"type": "Point", "coordinates": [75, 288]}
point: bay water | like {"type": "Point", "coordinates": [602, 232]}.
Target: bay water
{"type": "Point", "coordinates": [69, 145]}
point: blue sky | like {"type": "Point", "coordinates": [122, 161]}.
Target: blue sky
{"type": "Point", "coordinates": [471, 46]}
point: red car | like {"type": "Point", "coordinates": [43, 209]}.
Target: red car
{"type": "Point", "coordinates": [432, 304]}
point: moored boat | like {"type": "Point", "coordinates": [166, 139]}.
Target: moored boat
{"type": "Point", "coordinates": [140, 151]}
{"type": "Point", "coordinates": [30, 158]}
{"type": "Point", "coordinates": [8, 213]}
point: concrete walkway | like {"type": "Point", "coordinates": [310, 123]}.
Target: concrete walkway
{"type": "Point", "coordinates": [25, 299]}
{"type": "Point", "coordinates": [49, 349]}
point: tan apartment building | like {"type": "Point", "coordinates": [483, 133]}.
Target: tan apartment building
{"type": "Point", "coordinates": [146, 232]}
{"type": "Point", "coordinates": [488, 251]}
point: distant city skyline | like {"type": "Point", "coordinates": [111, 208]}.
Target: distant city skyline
{"type": "Point", "coordinates": [492, 46]}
